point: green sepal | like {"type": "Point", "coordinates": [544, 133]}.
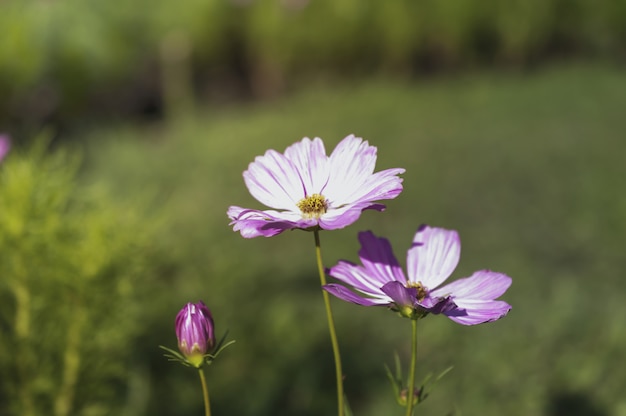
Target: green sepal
{"type": "Point", "coordinates": [221, 346]}
{"type": "Point", "coordinates": [401, 390]}
{"type": "Point", "coordinates": [208, 358]}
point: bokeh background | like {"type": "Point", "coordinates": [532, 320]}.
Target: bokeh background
{"type": "Point", "coordinates": [131, 124]}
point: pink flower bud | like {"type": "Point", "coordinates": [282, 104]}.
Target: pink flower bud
{"type": "Point", "coordinates": [195, 332]}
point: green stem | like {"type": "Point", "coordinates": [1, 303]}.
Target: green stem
{"type": "Point", "coordinates": [71, 361]}
{"type": "Point", "coordinates": [205, 393]}
{"type": "Point", "coordinates": [410, 395]}
{"type": "Point", "coordinates": [331, 325]}
{"type": "Point", "coordinates": [24, 362]}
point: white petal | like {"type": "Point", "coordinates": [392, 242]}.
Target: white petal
{"type": "Point", "coordinates": [351, 164]}
{"type": "Point", "coordinates": [433, 256]}
{"type": "Point", "coordinates": [310, 160]}
{"type": "Point", "coordinates": [274, 181]}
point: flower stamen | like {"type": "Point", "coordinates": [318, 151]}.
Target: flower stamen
{"type": "Point", "coordinates": [313, 206]}
{"type": "Point", "coordinates": [422, 292]}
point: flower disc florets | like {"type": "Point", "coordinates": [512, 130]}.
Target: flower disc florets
{"type": "Point", "coordinates": [422, 292]}
{"type": "Point", "coordinates": [307, 189]}
{"type": "Point", "coordinates": [313, 206]}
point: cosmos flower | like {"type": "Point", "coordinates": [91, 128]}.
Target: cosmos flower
{"type": "Point", "coordinates": [5, 146]}
{"type": "Point", "coordinates": [195, 332]}
{"type": "Point", "coordinates": [309, 190]}
{"type": "Point", "coordinates": [431, 259]}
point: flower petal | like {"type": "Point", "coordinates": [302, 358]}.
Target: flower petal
{"type": "Point", "coordinates": [254, 223]}
{"type": "Point", "coordinates": [357, 277]}
{"type": "Point", "coordinates": [344, 293]}
{"type": "Point", "coordinates": [482, 285]}
{"type": "Point", "coordinates": [438, 305]}
{"type": "Point", "coordinates": [342, 217]}
{"type": "Point", "coordinates": [274, 181]}
{"type": "Point", "coordinates": [474, 312]}
{"type": "Point", "coordinates": [378, 260]}
{"type": "Point", "coordinates": [400, 294]}
{"type": "Point", "coordinates": [381, 185]}
{"type": "Point", "coordinates": [310, 160]}
{"type": "Point", "coordinates": [351, 164]}
{"type": "Point", "coordinates": [433, 256]}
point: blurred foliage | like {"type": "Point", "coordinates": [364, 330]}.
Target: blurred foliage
{"type": "Point", "coordinates": [528, 168]}
{"type": "Point", "coordinates": [62, 58]}
{"type": "Point", "coordinates": [72, 268]}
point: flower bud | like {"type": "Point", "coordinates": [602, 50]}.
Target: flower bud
{"type": "Point", "coordinates": [195, 332]}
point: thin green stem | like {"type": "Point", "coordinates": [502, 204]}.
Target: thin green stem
{"type": "Point", "coordinates": [25, 360]}
{"type": "Point", "coordinates": [331, 325]}
{"type": "Point", "coordinates": [410, 395]}
{"type": "Point", "coordinates": [205, 393]}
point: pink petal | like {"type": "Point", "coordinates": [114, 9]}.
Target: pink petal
{"type": "Point", "coordinates": [473, 312]}
{"type": "Point", "coordinates": [482, 285]}
{"type": "Point", "coordinates": [399, 294]}
{"type": "Point", "coordinates": [378, 259]}
{"type": "Point", "coordinates": [254, 223]}
{"type": "Point", "coordinates": [381, 185]}
{"type": "Point", "coordinates": [346, 294]}
{"type": "Point", "coordinates": [337, 218]}
{"type": "Point", "coordinates": [357, 277]}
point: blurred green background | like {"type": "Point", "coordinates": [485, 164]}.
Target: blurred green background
{"type": "Point", "coordinates": [131, 126]}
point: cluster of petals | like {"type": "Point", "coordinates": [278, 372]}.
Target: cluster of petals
{"type": "Point", "coordinates": [431, 259]}
{"type": "Point", "coordinates": [195, 332]}
{"type": "Point", "coordinates": [307, 189]}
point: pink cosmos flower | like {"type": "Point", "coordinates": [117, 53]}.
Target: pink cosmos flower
{"type": "Point", "coordinates": [308, 189]}
{"type": "Point", "coordinates": [5, 146]}
{"type": "Point", "coordinates": [431, 259]}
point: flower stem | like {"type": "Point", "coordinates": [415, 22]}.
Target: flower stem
{"type": "Point", "coordinates": [205, 393]}
{"type": "Point", "coordinates": [331, 325]}
{"type": "Point", "coordinates": [410, 395]}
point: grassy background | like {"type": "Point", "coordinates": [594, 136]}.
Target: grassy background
{"type": "Point", "coordinates": [529, 168]}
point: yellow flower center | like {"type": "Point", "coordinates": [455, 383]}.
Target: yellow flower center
{"type": "Point", "coordinates": [422, 292]}
{"type": "Point", "coordinates": [313, 206]}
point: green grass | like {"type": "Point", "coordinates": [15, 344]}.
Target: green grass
{"type": "Point", "coordinates": [529, 168]}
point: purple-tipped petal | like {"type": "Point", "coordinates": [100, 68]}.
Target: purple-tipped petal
{"type": "Point", "coordinates": [358, 278]}
{"type": "Point", "coordinates": [378, 259]}
{"type": "Point", "coordinates": [381, 185]}
{"type": "Point", "coordinates": [345, 294]}
{"type": "Point", "coordinates": [433, 256]}
{"type": "Point", "coordinates": [253, 223]}
{"type": "Point", "coordinates": [401, 295]}
{"type": "Point", "coordinates": [474, 312]}
{"type": "Point", "coordinates": [438, 305]}
{"type": "Point", "coordinates": [339, 218]}
{"type": "Point", "coordinates": [482, 285]}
